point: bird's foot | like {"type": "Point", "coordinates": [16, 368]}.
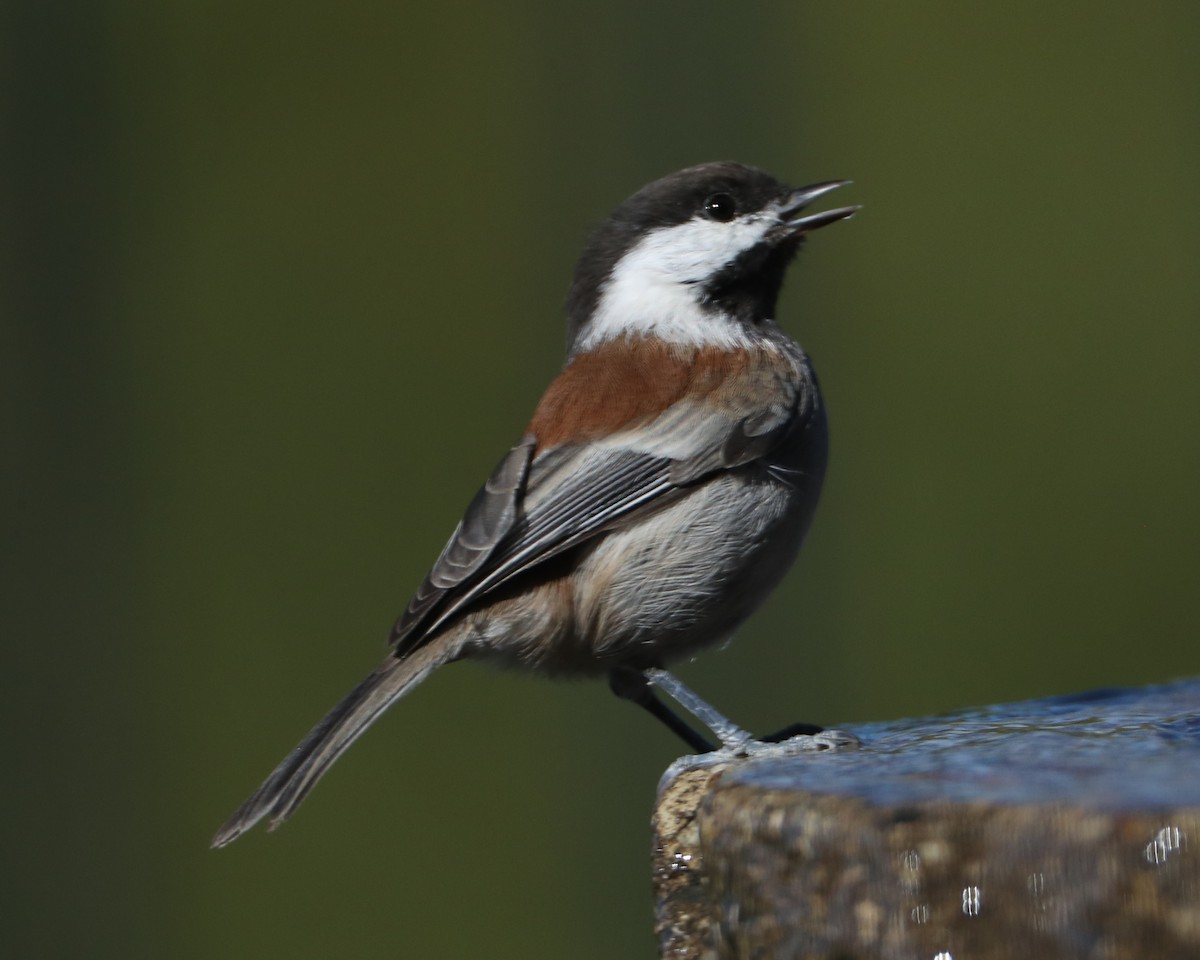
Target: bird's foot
{"type": "Point", "coordinates": [737, 743]}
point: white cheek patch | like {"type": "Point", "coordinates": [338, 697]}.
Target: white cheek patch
{"type": "Point", "coordinates": [692, 252]}
{"type": "Point", "coordinates": [655, 287]}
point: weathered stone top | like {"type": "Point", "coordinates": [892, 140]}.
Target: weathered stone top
{"type": "Point", "coordinates": [1127, 749]}
{"type": "Point", "coordinates": [1059, 828]}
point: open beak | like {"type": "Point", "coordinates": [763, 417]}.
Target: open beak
{"type": "Point", "coordinates": [799, 199]}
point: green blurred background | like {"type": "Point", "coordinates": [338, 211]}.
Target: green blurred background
{"type": "Point", "coordinates": [281, 283]}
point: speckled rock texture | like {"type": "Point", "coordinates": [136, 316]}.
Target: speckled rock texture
{"type": "Point", "coordinates": [1065, 828]}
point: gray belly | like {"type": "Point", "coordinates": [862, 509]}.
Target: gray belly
{"type": "Point", "coordinates": [689, 575]}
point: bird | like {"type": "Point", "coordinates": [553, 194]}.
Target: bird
{"type": "Point", "coordinates": [661, 489]}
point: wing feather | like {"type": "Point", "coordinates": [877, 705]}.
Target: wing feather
{"type": "Point", "coordinates": [488, 519]}
{"type": "Point", "coordinates": [571, 493]}
{"type": "Point", "coordinates": [534, 507]}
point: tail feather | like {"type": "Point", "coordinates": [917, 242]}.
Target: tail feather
{"type": "Point", "coordinates": [282, 792]}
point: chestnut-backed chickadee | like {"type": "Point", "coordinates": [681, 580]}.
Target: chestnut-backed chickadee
{"type": "Point", "coordinates": [662, 487]}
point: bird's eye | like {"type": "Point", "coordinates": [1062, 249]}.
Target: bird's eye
{"type": "Point", "coordinates": [720, 207]}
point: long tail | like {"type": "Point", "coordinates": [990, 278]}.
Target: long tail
{"type": "Point", "coordinates": [290, 782]}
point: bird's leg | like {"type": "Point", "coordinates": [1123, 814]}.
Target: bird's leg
{"type": "Point", "coordinates": [634, 686]}
{"type": "Point", "coordinates": [796, 739]}
{"type": "Point", "coordinates": [728, 732]}
{"type": "Point", "coordinates": [638, 687]}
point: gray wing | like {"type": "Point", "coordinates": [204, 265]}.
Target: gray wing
{"type": "Point", "coordinates": [533, 508]}
{"type": "Point", "coordinates": [749, 439]}
{"type": "Point", "coordinates": [487, 520]}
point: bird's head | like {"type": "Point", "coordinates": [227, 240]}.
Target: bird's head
{"type": "Point", "coordinates": [697, 257]}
